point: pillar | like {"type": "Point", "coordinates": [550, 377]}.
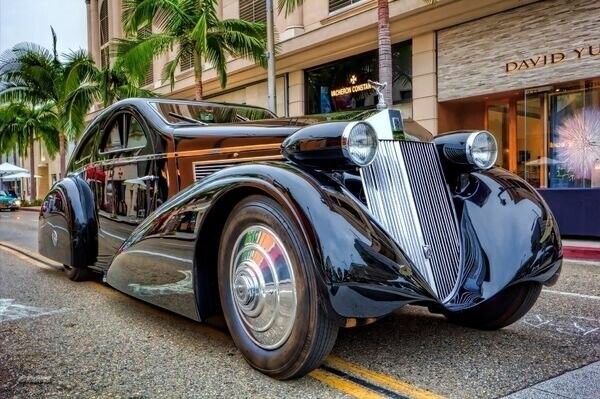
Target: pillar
{"type": "Point", "coordinates": [89, 24]}
{"type": "Point", "coordinates": [296, 93]}
{"type": "Point", "coordinates": [424, 81]}
{"type": "Point", "coordinates": [294, 24]}
{"type": "Point", "coordinates": [94, 27]}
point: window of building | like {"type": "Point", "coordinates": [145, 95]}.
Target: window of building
{"type": "Point", "coordinates": [144, 33]}
{"type": "Point", "coordinates": [104, 23]}
{"type": "Point", "coordinates": [343, 85]}
{"type": "Point", "coordinates": [186, 61]}
{"type": "Point", "coordinates": [335, 5]}
{"type": "Point", "coordinates": [548, 135]}
{"type": "Point", "coordinates": [253, 10]}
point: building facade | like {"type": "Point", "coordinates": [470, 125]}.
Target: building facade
{"type": "Point", "coordinates": [525, 70]}
{"type": "Point", "coordinates": [531, 76]}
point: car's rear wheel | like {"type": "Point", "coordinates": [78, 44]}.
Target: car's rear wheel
{"type": "Point", "coordinates": [268, 291]}
{"type": "Point", "coordinates": [503, 309]}
{"type": "Point", "coordinates": [77, 273]}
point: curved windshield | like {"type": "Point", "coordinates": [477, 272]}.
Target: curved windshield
{"type": "Point", "coordinates": [208, 113]}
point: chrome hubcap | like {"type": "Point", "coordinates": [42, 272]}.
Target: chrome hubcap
{"type": "Point", "coordinates": [263, 287]}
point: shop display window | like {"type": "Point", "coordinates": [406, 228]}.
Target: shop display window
{"type": "Point", "coordinates": [342, 86]}
{"type": "Point", "coordinates": [549, 136]}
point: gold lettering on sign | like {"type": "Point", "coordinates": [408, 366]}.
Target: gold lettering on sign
{"type": "Point", "coordinates": [551, 58]}
{"type": "Point", "coordinates": [557, 57]}
{"type": "Point", "coordinates": [350, 89]}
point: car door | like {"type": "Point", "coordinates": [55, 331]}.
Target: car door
{"type": "Point", "coordinates": [132, 187]}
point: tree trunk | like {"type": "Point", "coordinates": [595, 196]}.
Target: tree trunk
{"type": "Point", "coordinates": [15, 155]}
{"type": "Point", "coordinates": [385, 49]}
{"type": "Point", "coordinates": [198, 77]}
{"type": "Point", "coordinates": [33, 188]}
{"type": "Point", "coordinates": [62, 153]}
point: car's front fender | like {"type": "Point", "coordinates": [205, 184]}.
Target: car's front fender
{"type": "Point", "coordinates": [508, 235]}
{"type": "Point", "coordinates": [362, 272]}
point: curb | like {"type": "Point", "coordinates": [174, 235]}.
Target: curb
{"type": "Point", "coordinates": [581, 253]}
{"type": "Point", "coordinates": [29, 209]}
{"type": "Point", "coordinates": [31, 255]}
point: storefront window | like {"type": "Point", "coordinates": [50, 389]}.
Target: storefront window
{"type": "Point", "coordinates": [574, 137]}
{"type": "Point", "coordinates": [343, 85]}
{"type": "Point", "coordinates": [550, 136]}
{"type": "Point", "coordinates": [531, 153]}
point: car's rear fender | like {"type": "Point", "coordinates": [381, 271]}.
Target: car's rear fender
{"type": "Point", "coordinates": [68, 227]}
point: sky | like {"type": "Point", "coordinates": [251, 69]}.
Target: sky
{"type": "Point", "coordinates": [30, 21]}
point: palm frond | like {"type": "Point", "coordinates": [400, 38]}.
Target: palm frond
{"type": "Point", "coordinates": [215, 54]}
{"type": "Point", "coordinates": [137, 54]}
{"type": "Point", "coordinates": [288, 6]}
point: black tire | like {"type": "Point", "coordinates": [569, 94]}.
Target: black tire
{"type": "Point", "coordinates": [505, 308]}
{"type": "Point", "coordinates": [77, 273]}
{"type": "Point", "coordinates": [313, 333]}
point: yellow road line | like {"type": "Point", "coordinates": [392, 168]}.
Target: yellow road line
{"type": "Point", "coordinates": [344, 385]}
{"type": "Point", "coordinates": [380, 379]}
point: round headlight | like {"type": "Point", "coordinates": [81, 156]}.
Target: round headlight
{"type": "Point", "coordinates": [359, 143]}
{"type": "Point", "coordinates": [482, 149]}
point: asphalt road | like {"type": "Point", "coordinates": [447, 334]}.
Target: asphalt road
{"type": "Point", "coordinates": [64, 339]}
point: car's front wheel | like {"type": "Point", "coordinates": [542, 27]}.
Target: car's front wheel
{"type": "Point", "coordinates": [268, 291]}
{"type": "Point", "coordinates": [503, 309]}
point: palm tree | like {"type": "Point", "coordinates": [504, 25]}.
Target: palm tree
{"type": "Point", "coordinates": [385, 49]}
{"type": "Point", "coordinates": [36, 75]}
{"type": "Point", "coordinates": [22, 124]}
{"type": "Point", "coordinates": [194, 30]}
{"type": "Point", "coordinates": [31, 73]}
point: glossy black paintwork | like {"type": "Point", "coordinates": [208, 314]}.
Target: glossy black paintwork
{"type": "Point", "coordinates": [318, 146]}
{"type": "Point", "coordinates": [68, 212]}
{"type": "Point", "coordinates": [452, 147]}
{"type": "Point", "coordinates": [167, 256]}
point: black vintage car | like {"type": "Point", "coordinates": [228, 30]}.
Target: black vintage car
{"type": "Point", "coordinates": [293, 227]}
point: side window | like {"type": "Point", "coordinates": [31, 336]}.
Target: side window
{"type": "Point", "coordinates": [135, 134]}
{"type": "Point", "coordinates": [112, 135]}
{"type": "Point", "coordinates": [85, 150]}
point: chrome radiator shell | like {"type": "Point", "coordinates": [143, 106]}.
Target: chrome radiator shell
{"type": "Point", "coordinates": [407, 194]}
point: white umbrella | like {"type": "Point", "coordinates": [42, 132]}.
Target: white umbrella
{"type": "Point", "coordinates": [8, 169]}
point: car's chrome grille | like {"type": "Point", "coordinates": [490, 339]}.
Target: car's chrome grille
{"type": "Point", "coordinates": [201, 170]}
{"type": "Point", "coordinates": [407, 194]}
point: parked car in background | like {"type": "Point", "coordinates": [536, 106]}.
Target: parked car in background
{"type": "Point", "coordinates": [294, 227]}
{"type": "Point", "coordinates": [9, 201]}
